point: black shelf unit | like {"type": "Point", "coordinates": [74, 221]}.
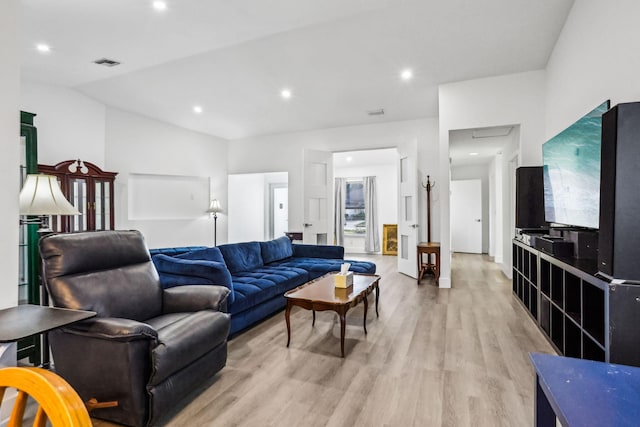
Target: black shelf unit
{"type": "Point", "coordinates": [582, 315]}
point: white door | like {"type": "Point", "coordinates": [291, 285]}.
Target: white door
{"type": "Point", "coordinates": [408, 209]}
{"type": "Point", "coordinates": [466, 216]}
{"type": "Point", "coordinates": [318, 175]}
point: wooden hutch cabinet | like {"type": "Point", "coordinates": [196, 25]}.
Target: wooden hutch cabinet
{"type": "Point", "coordinates": [90, 190]}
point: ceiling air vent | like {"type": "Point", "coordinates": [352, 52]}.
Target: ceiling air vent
{"type": "Point", "coordinates": [378, 112]}
{"type": "Point", "coordinates": [106, 62]}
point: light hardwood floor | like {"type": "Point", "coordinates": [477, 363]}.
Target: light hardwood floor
{"type": "Point", "coordinates": [434, 357]}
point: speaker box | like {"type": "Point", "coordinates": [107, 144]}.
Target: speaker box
{"type": "Point", "coordinates": [619, 236]}
{"type": "Point", "coordinates": [530, 197]}
{"type": "Point", "coordinates": [585, 243]}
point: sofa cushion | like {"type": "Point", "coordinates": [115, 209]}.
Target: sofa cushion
{"type": "Point", "coordinates": [263, 283]}
{"type": "Point", "coordinates": [241, 256]}
{"type": "Point", "coordinates": [175, 251]}
{"type": "Point", "coordinates": [320, 266]}
{"type": "Point", "coordinates": [275, 250]}
{"type": "Point", "coordinates": [206, 254]}
{"type": "Point", "coordinates": [178, 271]}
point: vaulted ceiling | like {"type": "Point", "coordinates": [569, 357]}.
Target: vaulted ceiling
{"type": "Point", "coordinates": [339, 58]}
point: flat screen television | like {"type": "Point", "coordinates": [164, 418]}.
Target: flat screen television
{"type": "Point", "coordinates": [571, 166]}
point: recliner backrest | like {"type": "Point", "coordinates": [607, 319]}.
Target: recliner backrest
{"type": "Point", "coordinates": [109, 272]}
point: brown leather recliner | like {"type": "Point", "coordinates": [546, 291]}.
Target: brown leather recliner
{"type": "Point", "coordinates": [147, 347]}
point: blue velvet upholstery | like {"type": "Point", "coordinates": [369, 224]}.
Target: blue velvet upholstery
{"type": "Point", "coordinates": [320, 266]}
{"type": "Point", "coordinates": [176, 271]}
{"type": "Point", "coordinates": [206, 254]}
{"type": "Point", "coordinates": [276, 250]}
{"type": "Point", "coordinates": [261, 284]}
{"type": "Point", "coordinates": [258, 273]}
{"type": "Point", "coordinates": [318, 251]}
{"type": "Point", "coordinates": [175, 251]}
{"type": "Point", "coordinates": [242, 256]}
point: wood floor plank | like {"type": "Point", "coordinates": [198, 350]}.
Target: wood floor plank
{"type": "Point", "coordinates": [434, 357]}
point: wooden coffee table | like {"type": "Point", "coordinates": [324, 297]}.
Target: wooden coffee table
{"type": "Point", "coordinates": [321, 295]}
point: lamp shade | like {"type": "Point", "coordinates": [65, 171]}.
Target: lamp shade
{"type": "Point", "coordinates": [41, 195]}
{"type": "Point", "coordinates": [214, 206]}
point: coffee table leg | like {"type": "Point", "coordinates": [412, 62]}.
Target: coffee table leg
{"type": "Point", "coordinates": [377, 296]}
{"type": "Point", "coordinates": [314, 319]}
{"type": "Point", "coordinates": [342, 314]}
{"type": "Point", "coordinates": [287, 312]}
{"type": "Point", "coordinates": [366, 307]}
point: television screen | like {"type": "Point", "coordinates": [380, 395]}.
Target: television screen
{"type": "Point", "coordinates": [571, 162]}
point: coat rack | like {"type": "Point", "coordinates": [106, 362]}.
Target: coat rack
{"type": "Point", "coordinates": [428, 248]}
{"type": "Point", "coordinates": [428, 186]}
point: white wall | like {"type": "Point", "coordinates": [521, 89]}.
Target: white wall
{"type": "Point", "coordinates": [70, 124]}
{"type": "Point", "coordinates": [480, 172]}
{"type": "Point", "coordinates": [284, 152]}
{"type": "Point", "coordinates": [515, 99]}
{"type": "Point", "coordinates": [596, 58]}
{"type": "Point", "coordinates": [10, 158]}
{"type": "Point", "coordinates": [139, 145]}
{"type": "Point", "coordinates": [387, 193]}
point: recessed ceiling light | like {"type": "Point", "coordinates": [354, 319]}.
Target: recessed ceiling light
{"type": "Point", "coordinates": [349, 158]}
{"type": "Point", "coordinates": [160, 6]}
{"type": "Point", "coordinates": [43, 47]}
{"type": "Point", "coordinates": [473, 154]}
{"type": "Point", "coordinates": [406, 74]}
{"type": "Point", "coordinates": [285, 93]}
{"type": "Point", "coordinates": [197, 109]}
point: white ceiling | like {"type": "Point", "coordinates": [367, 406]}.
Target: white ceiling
{"type": "Point", "coordinates": [339, 57]}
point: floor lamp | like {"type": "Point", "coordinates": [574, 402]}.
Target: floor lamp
{"type": "Point", "coordinates": [41, 196]}
{"type": "Point", "coordinates": [214, 208]}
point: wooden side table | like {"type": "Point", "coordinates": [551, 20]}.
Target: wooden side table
{"type": "Point", "coordinates": [429, 248]}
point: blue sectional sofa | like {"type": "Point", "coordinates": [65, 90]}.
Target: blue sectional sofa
{"type": "Point", "coordinates": [257, 273]}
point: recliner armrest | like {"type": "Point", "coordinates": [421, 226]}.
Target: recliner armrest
{"type": "Point", "coordinates": [112, 328]}
{"type": "Point", "coordinates": [191, 298]}
{"type": "Point", "coordinates": [318, 251]}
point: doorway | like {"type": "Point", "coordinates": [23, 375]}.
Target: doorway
{"type": "Point", "coordinates": [353, 166]}
{"type": "Point", "coordinates": [254, 212]}
{"type": "Point", "coordinates": [484, 154]}
{"type": "Point", "coordinates": [278, 210]}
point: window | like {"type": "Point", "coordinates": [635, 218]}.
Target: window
{"type": "Point", "coordinates": [354, 224]}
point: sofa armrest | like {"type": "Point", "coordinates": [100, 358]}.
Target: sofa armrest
{"type": "Point", "coordinates": [195, 298]}
{"type": "Point", "coordinates": [318, 251]}
{"type": "Point", "coordinates": [112, 328]}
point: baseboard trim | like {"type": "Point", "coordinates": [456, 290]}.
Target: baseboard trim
{"type": "Point", "coordinates": [444, 282]}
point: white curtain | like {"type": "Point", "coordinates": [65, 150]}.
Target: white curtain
{"type": "Point", "coordinates": [371, 238]}
{"type": "Point", "coordinates": [338, 217]}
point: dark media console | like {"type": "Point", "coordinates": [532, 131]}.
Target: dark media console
{"type": "Point", "coordinates": [581, 285]}
{"type": "Point", "coordinates": [582, 315]}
